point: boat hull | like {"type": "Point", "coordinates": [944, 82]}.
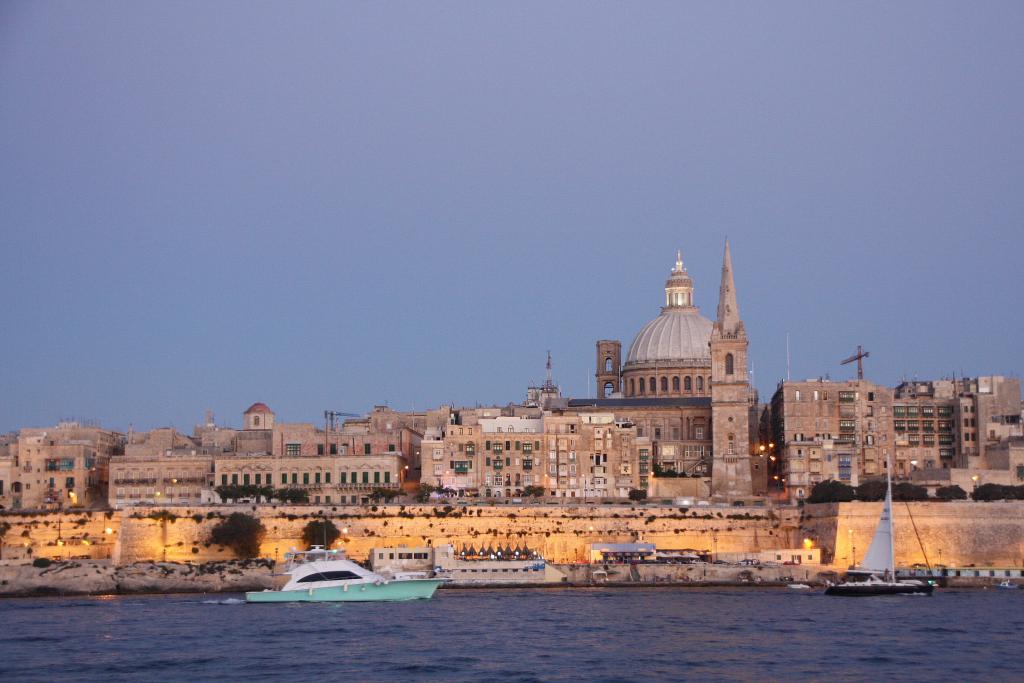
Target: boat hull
{"type": "Point", "coordinates": [855, 590]}
{"type": "Point", "coordinates": [388, 591]}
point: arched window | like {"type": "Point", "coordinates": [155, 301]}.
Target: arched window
{"type": "Point", "coordinates": [632, 387]}
{"type": "Point", "coordinates": [664, 384]}
{"type": "Point", "coordinates": [608, 389]}
{"type": "Point", "coordinates": [700, 384]}
{"type": "Point", "coordinates": [654, 385]}
{"type": "Point", "coordinates": [607, 364]}
{"type": "Point", "coordinates": [731, 448]}
{"type": "Point", "coordinates": [675, 384]}
{"type": "Point", "coordinates": [255, 420]}
{"type": "Point", "coordinates": [688, 383]}
{"type": "Point", "coordinates": [728, 364]}
{"type": "Point", "coordinates": [642, 385]}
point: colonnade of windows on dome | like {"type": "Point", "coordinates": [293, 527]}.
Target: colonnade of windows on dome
{"type": "Point", "coordinates": [655, 386]}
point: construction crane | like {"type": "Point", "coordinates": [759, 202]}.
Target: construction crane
{"type": "Point", "coordinates": [331, 416]}
{"type": "Point", "coordinates": [859, 357]}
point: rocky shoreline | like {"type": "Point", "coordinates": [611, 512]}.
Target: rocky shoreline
{"type": "Point", "coordinates": [84, 577]}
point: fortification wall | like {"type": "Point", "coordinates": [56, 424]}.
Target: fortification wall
{"type": "Point", "coordinates": [955, 533]}
{"type": "Point", "coordinates": [560, 533]}
{"type": "Point", "coordinates": [87, 534]}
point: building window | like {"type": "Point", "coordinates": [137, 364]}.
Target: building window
{"type": "Point", "coordinates": [295, 477]}
{"type": "Point", "coordinates": [675, 384]}
{"type": "Point", "coordinates": [255, 420]}
{"type": "Point", "coordinates": [366, 449]}
{"type": "Point", "coordinates": [728, 364]}
{"type": "Point", "coordinates": [632, 388]}
{"type": "Point", "coordinates": [334, 449]}
{"type": "Point", "coordinates": [223, 480]}
{"type": "Point", "coordinates": [387, 477]}
{"type": "Point", "coordinates": [607, 364]}
{"type": "Point", "coordinates": [698, 433]}
{"type": "Point", "coordinates": [653, 385]}
{"type": "Point", "coordinates": [366, 477]}
{"type": "Point", "coordinates": [700, 384]}
{"type": "Point", "coordinates": [342, 477]}
{"type": "Point", "coordinates": [327, 477]}
{"type": "Point", "coordinates": [305, 477]}
{"type": "Point", "coordinates": [234, 479]}
{"type": "Point", "coordinates": [664, 384]}
{"type": "Point", "coordinates": [376, 477]}
{"type": "Point", "coordinates": [284, 477]}
{"type": "Point", "coordinates": [292, 449]}
{"type": "Point", "coordinates": [316, 478]}
{"type": "Point", "coordinates": [642, 385]}
{"type": "Point", "coordinates": [688, 384]}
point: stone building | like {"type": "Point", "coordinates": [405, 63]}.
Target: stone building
{"type": "Point", "coordinates": [62, 466]}
{"type": "Point", "coordinates": [832, 430]}
{"type": "Point", "coordinates": [567, 454]}
{"type": "Point", "coordinates": [161, 466]}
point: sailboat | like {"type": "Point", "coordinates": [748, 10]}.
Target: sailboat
{"type": "Point", "coordinates": [876, 575]}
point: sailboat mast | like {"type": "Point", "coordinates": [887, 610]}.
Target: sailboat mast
{"type": "Point", "coordinates": [888, 505]}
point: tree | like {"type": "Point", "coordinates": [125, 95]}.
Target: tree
{"type": "Point", "coordinates": [904, 491]}
{"type": "Point", "coordinates": [293, 496]}
{"type": "Point", "coordinates": [241, 532]}
{"type": "Point", "coordinates": [637, 494]}
{"type": "Point", "coordinates": [953, 492]}
{"type": "Point", "coordinates": [831, 491]}
{"type": "Point", "coordinates": [227, 492]}
{"type": "Point", "coordinates": [871, 490]}
{"type": "Point", "coordinates": [533, 491]}
{"type": "Point", "coordinates": [423, 493]}
{"type": "Point", "coordinates": [383, 494]}
{"type": "Point", "coordinates": [320, 532]}
{"type": "Point", "coordinates": [998, 492]}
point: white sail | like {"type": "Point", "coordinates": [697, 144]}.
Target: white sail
{"type": "Point", "coordinates": [879, 555]}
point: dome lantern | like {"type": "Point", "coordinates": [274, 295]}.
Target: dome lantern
{"type": "Point", "coordinates": [679, 286]}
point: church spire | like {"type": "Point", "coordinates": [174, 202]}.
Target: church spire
{"type": "Point", "coordinates": [728, 319]}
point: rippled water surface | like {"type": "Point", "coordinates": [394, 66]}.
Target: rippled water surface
{"type": "Point", "coordinates": [520, 635]}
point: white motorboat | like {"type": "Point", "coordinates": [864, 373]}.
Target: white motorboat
{"type": "Point", "coordinates": [321, 575]}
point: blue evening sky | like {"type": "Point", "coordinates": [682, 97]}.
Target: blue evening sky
{"type": "Point", "coordinates": [342, 204]}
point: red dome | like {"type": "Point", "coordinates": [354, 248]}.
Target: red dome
{"type": "Point", "coordinates": [258, 408]}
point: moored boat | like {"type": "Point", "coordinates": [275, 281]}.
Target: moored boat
{"type": "Point", "coordinates": [321, 575]}
{"type": "Point", "coordinates": [877, 573]}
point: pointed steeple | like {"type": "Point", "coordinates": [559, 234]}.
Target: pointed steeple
{"type": "Point", "coordinates": [728, 319]}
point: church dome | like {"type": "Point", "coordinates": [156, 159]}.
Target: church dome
{"type": "Point", "coordinates": [680, 335]}
{"type": "Point", "coordinates": [677, 335]}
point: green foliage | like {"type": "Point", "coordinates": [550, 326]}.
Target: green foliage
{"type": "Point", "coordinates": [637, 494]}
{"type": "Point", "coordinates": [905, 491]}
{"type": "Point", "coordinates": [233, 492]}
{"type": "Point", "coordinates": [831, 491]}
{"type": "Point", "coordinates": [383, 494]}
{"type": "Point", "coordinates": [423, 493]}
{"type": "Point", "coordinates": [871, 490]}
{"type": "Point", "coordinates": [953, 492]}
{"type": "Point", "coordinates": [998, 492]}
{"type": "Point", "coordinates": [241, 532]}
{"type": "Point", "coordinates": [41, 562]}
{"type": "Point", "coordinates": [163, 516]}
{"type": "Point", "coordinates": [533, 491]}
{"type": "Point", "coordinates": [320, 532]}
{"type": "Point", "coordinates": [292, 496]}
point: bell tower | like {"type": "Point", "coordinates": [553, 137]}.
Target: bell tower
{"type": "Point", "coordinates": [609, 368]}
{"type": "Point", "coordinates": [730, 391]}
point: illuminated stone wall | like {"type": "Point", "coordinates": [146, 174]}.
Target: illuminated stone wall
{"type": "Point", "coordinates": [954, 533]}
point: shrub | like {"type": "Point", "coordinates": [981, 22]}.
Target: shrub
{"type": "Point", "coordinates": [41, 562]}
{"type": "Point", "coordinates": [423, 493]}
{"type": "Point", "coordinates": [637, 494]}
{"type": "Point", "coordinates": [953, 492]}
{"type": "Point", "coordinates": [320, 532]}
{"type": "Point", "coordinates": [533, 491]}
{"type": "Point", "coordinates": [386, 495]}
{"type": "Point", "coordinates": [998, 492]}
{"type": "Point", "coordinates": [831, 491]}
{"type": "Point", "coordinates": [907, 491]}
{"type": "Point", "coordinates": [241, 532]}
{"type": "Point", "coordinates": [871, 490]}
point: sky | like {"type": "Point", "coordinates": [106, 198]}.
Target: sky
{"type": "Point", "coordinates": [345, 204]}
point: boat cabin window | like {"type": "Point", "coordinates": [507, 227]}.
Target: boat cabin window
{"type": "Point", "coordinates": [328, 576]}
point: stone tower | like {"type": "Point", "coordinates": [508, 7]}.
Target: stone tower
{"type": "Point", "coordinates": [730, 389]}
{"type": "Point", "coordinates": [609, 366]}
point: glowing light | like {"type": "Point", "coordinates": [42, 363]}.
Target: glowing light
{"type": "Point", "coordinates": [108, 531]}
{"type": "Point", "coordinates": [808, 544]}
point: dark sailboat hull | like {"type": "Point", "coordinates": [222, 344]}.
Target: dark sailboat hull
{"type": "Point", "coordinates": [855, 590]}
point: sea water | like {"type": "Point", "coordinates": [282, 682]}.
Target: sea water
{"type": "Point", "coordinates": [654, 634]}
